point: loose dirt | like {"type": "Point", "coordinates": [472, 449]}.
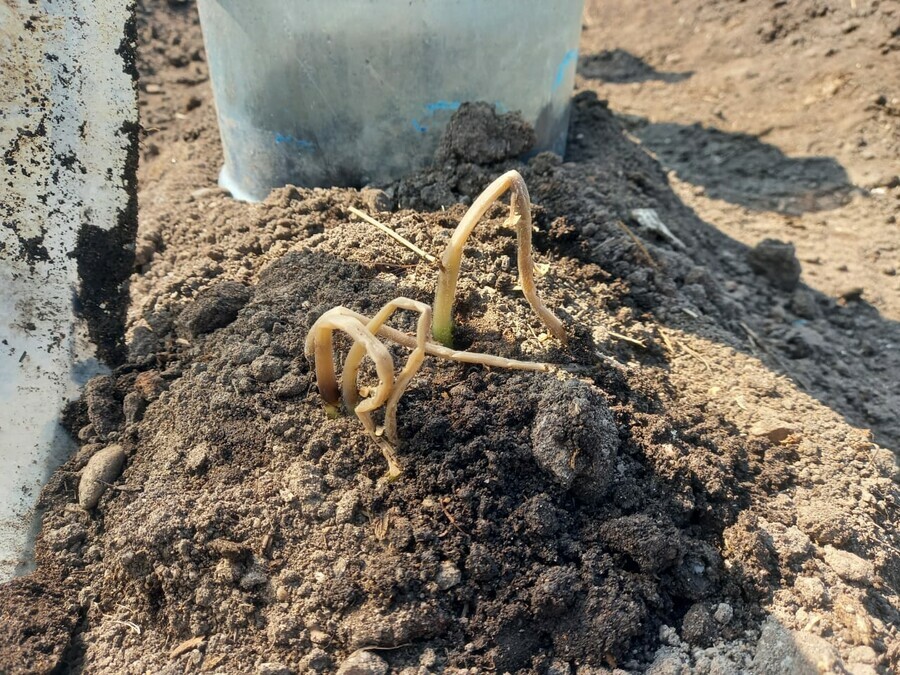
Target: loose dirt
{"type": "Point", "coordinates": [704, 483]}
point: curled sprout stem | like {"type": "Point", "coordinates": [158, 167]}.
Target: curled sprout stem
{"type": "Point", "coordinates": [413, 363]}
{"type": "Point", "coordinates": [520, 218]}
{"type": "Point", "coordinates": [363, 331]}
{"type": "Point", "coordinates": [319, 344]}
{"type": "Point", "coordinates": [354, 358]}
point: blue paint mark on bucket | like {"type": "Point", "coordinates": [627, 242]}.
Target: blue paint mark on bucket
{"type": "Point", "coordinates": [301, 143]}
{"type": "Point", "coordinates": [442, 105]}
{"type": "Point", "coordinates": [431, 109]}
{"type": "Point", "coordinates": [570, 58]}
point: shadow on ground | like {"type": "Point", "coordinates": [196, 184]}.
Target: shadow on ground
{"type": "Point", "coordinates": [741, 169]}
{"type": "Point", "coordinates": [620, 67]}
{"type": "Point", "coordinates": [838, 352]}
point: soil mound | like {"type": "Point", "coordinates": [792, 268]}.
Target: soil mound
{"type": "Point", "coordinates": [665, 500]}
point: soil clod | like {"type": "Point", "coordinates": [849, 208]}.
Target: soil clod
{"type": "Point", "coordinates": [575, 438]}
{"type": "Point", "coordinates": [215, 308]}
{"type": "Point", "coordinates": [777, 261]}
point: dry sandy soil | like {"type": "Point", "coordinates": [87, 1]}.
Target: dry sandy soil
{"type": "Point", "coordinates": [706, 481]}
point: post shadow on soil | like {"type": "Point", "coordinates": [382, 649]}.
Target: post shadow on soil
{"type": "Point", "coordinates": [812, 371]}
{"type": "Point", "coordinates": [742, 169]}
{"type": "Point", "coordinates": [618, 66]}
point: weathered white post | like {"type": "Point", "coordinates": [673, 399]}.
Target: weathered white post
{"type": "Point", "coordinates": [68, 209]}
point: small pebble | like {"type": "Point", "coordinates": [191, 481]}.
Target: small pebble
{"type": "Point", "coordinates": [102, 468]}
{"type": "Point", "coordinates": [448, 576]}
{"type": "Point", "coordinates": [316, 660]}
{"type": "Point", "coordinates": [104, 411]}
{"type": "Point", "coordinates": [65, 537]}
{"type": "Point", "coordinates": [289, 386]}
{"type": "Point", "coordinates": [87, 432]}
{"type": "Point", "coordinates": [270, 668]}
{"type": "Point", "coordinates": [319, 637]}
{"type": "Point", "coordinates": [848, 566]}
{"type": "Point", "coordinates": [149, 385]}
{"type": "Point", "coordinates": [723, 613]}
{"type": "Point", "coordinates": [863, 654]}
{"type": "Point", "coordinates": [213, 308]}
{"type": "Point", "coordinates": [133, 407]}
{"type": "Point", "coordinates": [803, 304]}
{"type": "Point", "coordinates": [266, 368]}
{"type": "Point", "coordinates": [197, 459]}
{"type": "Point", "coordinates": [346, 507]}
{"type": "Point", "coordinates": [777, 261]}
{"type": "Point", "coordinates": [698, 627]}
{"type": "Point", "coordinates": [363, 663]}
{"type": "Point", "coordinates": [774, 429]}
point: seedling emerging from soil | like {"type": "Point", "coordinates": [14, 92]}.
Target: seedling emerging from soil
{"type": "Point", "coordinates": [389, 391]}
{"type": "Point", "coordinates": [363, 330]}
{"type": "Point", "coordinates": [520, 218]}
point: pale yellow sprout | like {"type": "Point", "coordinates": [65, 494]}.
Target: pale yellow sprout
{"type": "Point", "coordinates": [319, 345]}
{"type": "Point", "coordinates": [434, 349]}
{"type": "Point", "coordinates": [354, 358]}
{"type": "Point", "coordinates": [520, 218]}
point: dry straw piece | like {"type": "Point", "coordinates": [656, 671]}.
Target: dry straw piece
{"type": "Point", "coordinates": [520, 218]}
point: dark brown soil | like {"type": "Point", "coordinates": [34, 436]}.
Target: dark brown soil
{"type": "Point", "coordinates": [704, 483]}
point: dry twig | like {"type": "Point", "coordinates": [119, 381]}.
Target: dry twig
{"type": "Point", "coordinates": [625, 338]}
{"type": "Point", "coordinates": [639, 244]}
{"type": "Point", "coordinates": [393, 235]}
